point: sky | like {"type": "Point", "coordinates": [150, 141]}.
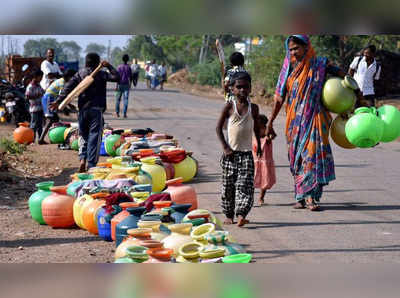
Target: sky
{"type": "Point", "coordinates": [82, 40]}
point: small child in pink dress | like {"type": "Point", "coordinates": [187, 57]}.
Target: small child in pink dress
{"type": "Point", "coordinates": [264, 176]}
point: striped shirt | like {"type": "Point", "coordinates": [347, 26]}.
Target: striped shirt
{"type": "Point", "coordinates": [55, 87]}
{"type": "Point", "coordinates": [34, 94]}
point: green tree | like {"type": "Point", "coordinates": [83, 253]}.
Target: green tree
{"type": "Point", "coordinates": [96, 48]}
{"type": "Point", "coordinates": [71, 50]}
{"type": "Point", "coordinates": [39, 47]}
{"type": "Point", "coordinates": [116, 56]}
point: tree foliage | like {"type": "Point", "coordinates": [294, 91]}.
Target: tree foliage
{"type": "Point", "coordinates": [96, 48]}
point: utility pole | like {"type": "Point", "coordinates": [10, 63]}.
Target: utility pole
{"type": "Point", "coordinates": [109, 50]}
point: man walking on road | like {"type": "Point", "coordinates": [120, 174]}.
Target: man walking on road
{"type": "Point", "coordinates": [135, 68]}
{"type": "Point", "coordinates": [123, 86]}
{"type": "Point", "coordinates": [366, 71]}
{"type": "Point", "coordinates": [92, 104]}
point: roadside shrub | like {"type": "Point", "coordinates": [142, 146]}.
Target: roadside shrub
{"type": "Point", "coordinates": [10, 146]}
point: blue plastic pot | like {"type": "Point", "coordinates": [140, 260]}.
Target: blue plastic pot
{"type": "Point", "coordinates": [130, 222]}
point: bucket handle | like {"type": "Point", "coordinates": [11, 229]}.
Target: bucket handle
{"type": "Point", "coordinates": [363, 110]}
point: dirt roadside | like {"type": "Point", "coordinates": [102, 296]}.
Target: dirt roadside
{"type": "Point", "coordinates": [22, 239]}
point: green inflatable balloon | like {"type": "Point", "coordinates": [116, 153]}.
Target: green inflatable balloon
{"type": "Point", "coordinates": [338, 95]}
{"type": "Point", "coordinates": [109, 144]}
{"type": "Point", "coordinates": [390, 116]}
{"type": "Point", "coordinates": [56, 135]}
{"type": "Point", "coordinates": [364, 129]}
{"type": "Point", "coordinates": [35, 200]}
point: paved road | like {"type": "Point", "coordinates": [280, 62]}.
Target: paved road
{"type": "Point", "coordinates": [361, 217]}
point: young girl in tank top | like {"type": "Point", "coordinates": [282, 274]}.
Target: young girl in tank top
{"type": "Point", "coordinates": [264, 176]}
{"type": "Point", "coordinates": [237, 161]}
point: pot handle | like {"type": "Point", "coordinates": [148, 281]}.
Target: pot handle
{"type": "Point", "coordinates": [362, 110]}
{"type": "Point", "coordinates": [349, 82]}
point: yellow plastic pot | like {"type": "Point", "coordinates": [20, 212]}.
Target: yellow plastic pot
{"type": "Point", "coordinates": [185, 169]}
{"type": "Point", "coordinates": [338, 133]}
{"type": "Point", "coordinates": [190, 250]}
{"type": "Point", "coordinates": [157, 173]}
{"type": "Point", "coordinates": [79, 204]}
{"type": "Point", "coordinates": [198, 233]}
{"type": "Point", "coordinates": [212, 252]}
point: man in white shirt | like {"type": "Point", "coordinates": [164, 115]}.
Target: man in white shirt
{"type": "Point", "coordinates": [51, 70]}
{"type": "Point", "coordinates": [153, 73]}
{"type": "Point", "coordinates": [365, 71]}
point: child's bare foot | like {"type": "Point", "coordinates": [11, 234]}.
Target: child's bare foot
{"type": "Point", "coordinates": [242, 221]}
{"type": "Point", "coordinates": [261, 202]}
{"type": "Point", "coordinates": [228, 221]}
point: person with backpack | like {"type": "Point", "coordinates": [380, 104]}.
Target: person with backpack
{"type": "Point", "coordinates": [366, 70]}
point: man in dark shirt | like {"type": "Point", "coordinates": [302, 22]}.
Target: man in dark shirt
{"type": "Point", "coordinates": [123, 86]}
{"type": "Point", "coordinates": [92, 104]}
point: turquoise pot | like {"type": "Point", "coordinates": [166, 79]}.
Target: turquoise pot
{"type": "Point", "coordinates": [130, 222]}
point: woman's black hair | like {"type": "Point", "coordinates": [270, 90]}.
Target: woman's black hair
{"type": "Point", "coordinates": [125, 58]}
{"type": "Point", "coordinates": [236, 59]}
{"type": "Point", "coordinates": [297, 40]}
{"type": "Point", "coordinates": [240, 75]}
{"type": "Point", "coordinates": [263, 119]}
{"type": "Point", "coordinates": [69, 73]}
{"type": "Point", "coordinates": [92, 60]}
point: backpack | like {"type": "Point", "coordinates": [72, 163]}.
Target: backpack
{"type": "Point", "coordinates": [378, 66]}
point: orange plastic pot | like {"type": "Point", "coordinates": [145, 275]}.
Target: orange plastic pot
{"type": "Point", "coordinates": [105, 164]}
{"type": "Point", "coordinates": [23, 134]}
{"type": "Point", "coordinates": [57, 210]}
{"type": "Point", "coordinates": [88, 214]}
{"type": "Point", "coordinates": [161, 204]}
{"type": "Point", "coordinates": [62, 189]}
{"type": "Point", "coordinates": [121, 216]}
{"type": "Point", "coordinates": [182, 194]}
{"type": "Point", "coordinates": [160, 255]}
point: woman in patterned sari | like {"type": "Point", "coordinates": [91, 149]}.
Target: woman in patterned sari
{"type": "Point", "coordinates": [300, 83]}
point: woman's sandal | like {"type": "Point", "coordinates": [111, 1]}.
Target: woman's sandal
{"type": "Point", "coordinates": [299, 205]}
{"type": "Point", "coordinates": [312, 206]}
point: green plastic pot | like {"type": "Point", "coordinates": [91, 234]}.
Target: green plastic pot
{"type": "Point", "coordinates": [35, 200]}
{"type": "Point", "coordinates": [109, 144]}
{"type": "Point", "coordinates": [390, 116]}
{"type": "Point", "coordinates": [338, 95]}
{"type": "Point", "coordinates": [118, 151]}
{"type": "Point", "coordinates": [364, 129]}
{"type": "Point", "coordinates": [124, 261]}
{"type": "Point", "coordinates": [238, 258]}
{"type": "Point", "coordinates": [56, 135]}
{"type": "Point", "coordinates": [75, 145]}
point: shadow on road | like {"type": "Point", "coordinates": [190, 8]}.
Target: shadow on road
{"type": "Point", "coordinates": [336, 166]}
{"type": "Point", "coordinates": [282, 253]}
{"type": "Point", "coordinates": [204, 178]}
{"type": "Point", "coordinates": [333, 190]}
{"type": "Point", "coordinates": [46, 241]}
{"type": "Point", "coordinates": [265, 225]}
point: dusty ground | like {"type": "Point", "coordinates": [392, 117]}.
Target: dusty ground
{"type": "Point", "coordinates": [22, 239]}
